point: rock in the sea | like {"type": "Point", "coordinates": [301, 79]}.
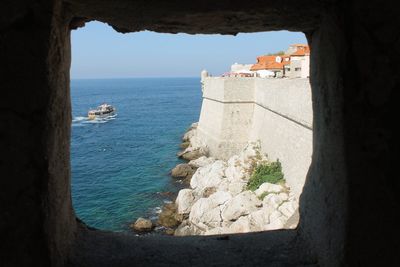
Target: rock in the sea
{"type": "Point", "coordinates": [268, 188]}
{"type": "Point", "coordinates": [169, 231]}
{"type": "Point", "coordinates": [193, 153]}
{"type": "Point", "coordinates": [168, 217]}
{"type": "Point", "coordinates": [188, 135]}
{"type": "Point", "coordinates": [142, 225]}
{"type": "Point", "coordinates": [242, 204]}
{"type": "Point", "coordinates": [184, 201]}
{"type": "Point", "coordinates": [182, 170]}
{"type": "Point", "coordinates": [194, 125]}
{"type": "Point", "coordinates": [185, 145]}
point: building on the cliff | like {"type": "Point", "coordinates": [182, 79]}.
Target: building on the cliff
{"type": "Point", "coordinates": [299, 66]}
{"type": "Point", "coordinates": [295, 63]}
{"type": "Point", "coordinates": [273, 64]}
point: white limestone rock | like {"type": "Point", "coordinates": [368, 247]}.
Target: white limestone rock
{"type": "Point", "coordinates": [288, 208]}
{"type": "Point", "coordinates": [252, 149]}
{"type": "Point", "coordinates": [201, 162]}
{"type": "Point", "coordinates": [208, 176]}
{"type": "Point", "coordinates": [192, 153]}
{"type": "Point", "coordinates": [235, 171]}
{"type": "Point", "coordinates": [268, 188]}
{"type": "Point", "coordinates": [194, 125]}
{"type": "Point", "coordinates": [240, 205]}
{"type": "Point", "coordinates": [215, 231]}
{"type": "Point", "coordinates": [206, 212]}
{"type": "Point", "coordinates": [241, 225]}
{"type": "Point", "coordinates": [185, 229]}
{"type": "Point", "coordinates": [277, 221]}
{"type": "Point", "coordinates": [190, 133]}
{"type": "Point", "coordinates": [274, 200]}
{"type": "Point", "coordinates": [236, 188]}
{"type": "Point", "coordinates": [185, 201]}
{"type": "Point", "coordinates": [258, 219]}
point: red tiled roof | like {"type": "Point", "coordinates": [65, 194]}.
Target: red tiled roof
{"type": "Point", "coordinates": [267, 63]}
{"type": "Point", "coordinates": [302, 51]}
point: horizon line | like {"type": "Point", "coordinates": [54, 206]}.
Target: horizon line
{"type": "Point", "coordinates": [136, 77]}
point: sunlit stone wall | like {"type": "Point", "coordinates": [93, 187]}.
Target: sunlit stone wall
{"type": "Point", "coordinates": [278, 112]}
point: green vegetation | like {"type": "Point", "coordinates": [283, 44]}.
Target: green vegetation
{"type": "Point", "coordinates": [266, 172]}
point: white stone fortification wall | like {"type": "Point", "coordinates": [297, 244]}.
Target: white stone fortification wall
{"type": "Point", "coordinates": [283, 123]}
{"type": "Point", "coordinates": [226, 114]}
{"type": "Point", "coordinates": [278, 112]}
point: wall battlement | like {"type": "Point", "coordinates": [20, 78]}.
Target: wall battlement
{"type": "Point", "coordinates": [278, 112]}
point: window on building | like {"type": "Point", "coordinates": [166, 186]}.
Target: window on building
{"type": "Point", "coordinates": [297, 69]}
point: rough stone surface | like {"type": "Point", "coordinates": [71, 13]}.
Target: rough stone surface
{"type": "Point", "coordinates": [184, 145]}
{"type": "Point", "coordinates": [217, 204]}
{"type": "Point", "coordinates": [268, 188]}
{"type": "Point", "coordinates": [182, 170]}
{"type": "Point", "coordinates": [208, 176]}
{"type": "Point", "coordinates": [142, 225]}
{"type": "Point", "coordinates": [201, 162]}
{"type": "Point", "coordinates": [184, 201]}
{"type": "Point", "coordinates": [240, 205]}
{"type": "Point", "coordinates": [168, 217]}
{"type": "Point", "coordinates": [193, 153]}
{"type": "Point", "coordinates": [206, 212]}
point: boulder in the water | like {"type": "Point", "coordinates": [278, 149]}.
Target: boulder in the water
{"type": "Point", "coordinates": [142, 225]}
{"type": "Point", "coordinates": [168, 216]}
{"type": "Point", "coordinates": [182, 170]}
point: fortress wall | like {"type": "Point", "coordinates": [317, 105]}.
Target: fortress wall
{"type": "Point", "coordinates": [278, 112]}
{"type": "Point", "coordinates": [282, 121]}
{"type": "Point", "coordinates": [226, 114]}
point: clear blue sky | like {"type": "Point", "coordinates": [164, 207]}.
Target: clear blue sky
{"type": "Point", "coordinates": [100, 52]}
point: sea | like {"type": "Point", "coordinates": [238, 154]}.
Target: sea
{"type": "Point", "coordinates": [121, 164]}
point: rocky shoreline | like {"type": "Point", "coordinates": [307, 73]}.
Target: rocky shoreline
{"type": "Point", "coordinates": [217, 201]}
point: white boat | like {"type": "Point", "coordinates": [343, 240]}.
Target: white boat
{"type": "Point", "coordinates": [101, 111]}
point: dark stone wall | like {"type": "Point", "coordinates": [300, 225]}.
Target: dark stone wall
{"type": "Point", "coordinates": [201, 16]}
{"type": "Point", "coordinates": [36, 218]}
{"type": "Point", "coordinates": [371, 79]}
{"type": "Point", "coordinates": [349, 204]}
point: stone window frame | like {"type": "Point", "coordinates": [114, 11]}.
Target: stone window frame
{"type": "Point", "coordinates": [36, 55]}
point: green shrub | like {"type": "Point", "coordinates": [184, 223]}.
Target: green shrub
{"type": "Point", "coordinates": [269, 172]}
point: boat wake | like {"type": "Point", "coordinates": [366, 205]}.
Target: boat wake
{"type": "Point", "coordinates": [82, 121]}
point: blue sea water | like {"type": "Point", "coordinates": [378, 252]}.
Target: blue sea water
{"type": "Point", "coordinates": [121, 165]}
